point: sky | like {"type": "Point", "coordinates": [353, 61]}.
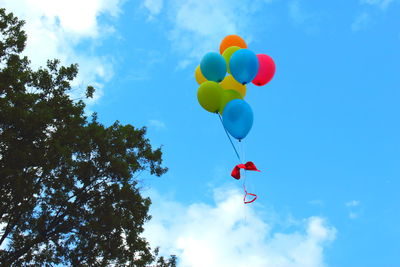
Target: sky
{"type": "Point", "coordinates": [325, 135]}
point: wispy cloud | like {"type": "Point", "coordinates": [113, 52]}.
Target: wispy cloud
{"type": "Point", "coordinates": [316, 202]}
{"type": "Point", "coordinates": [353, 215]}
{"type": "Point", "coordinates": [56, 28]}
{"type": "Point", "coordinates": [196, 27]}
{"type": "Point", "coordinates": [229, 233]}
{"type": "Point", "coordinates": [296, 13]}
{"type": "Point", "coordinates": [352, 203]}
{"type": "Point", "coordinates": [146, 63]}
{"type": "Point", "coordinates": [153, 6]}
{"type": "Point", "coordinates": [360, 22]}
{"type": "Point", "coordinates": [353, 208]}
{"type": "Point", "coordinates": [383, 4]}
{"type": "Point", "coordinates": [157, 124]}
{"type": "Point", "coordinates": [301, 17]}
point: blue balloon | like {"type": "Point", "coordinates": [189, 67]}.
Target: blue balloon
{"type": "Point", "coordinates": [213, 67]}
{"type": "Point", "coordinates": [244, 65]}
{"type": "Point", "coordinates": [238, 118]}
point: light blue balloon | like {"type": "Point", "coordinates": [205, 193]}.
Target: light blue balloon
{"type": "Point", "coordinates": [244, 65]}
{"type": "Point", "coordinates": [238, 118]}
{"type": "Point", "coordinates": [213, 67]}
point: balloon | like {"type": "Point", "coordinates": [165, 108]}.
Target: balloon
{"type": "Point", "coordinates": [227, 55]}
{"type": "Point", "coordinates": [244, 65]}
{"type": "Point", "coordinates": [231, 40]}
{"type": "Point", "coordinates": [266, 70]}
{"type": "Point", "coordinates": [229, 83]}
{"type": "Point", "coordinates": [238, 118]}
{"type": "Point", "coordinates": [227, 96]}
{"type": "Point", "coordinates": [209, 96]}
{"type": "Point", "coordinates": [199, 76]}
{"type": "Point", "coordinates": [213, 67]}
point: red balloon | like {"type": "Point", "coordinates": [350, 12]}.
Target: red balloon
{"type": "Point", "coordinates": [266, 70]}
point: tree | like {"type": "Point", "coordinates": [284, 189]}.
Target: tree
{"type": "Point", "coordinates": [67, 189]}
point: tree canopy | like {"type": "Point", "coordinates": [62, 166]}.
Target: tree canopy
{"type": "Point", "coordinates": [67, 189]}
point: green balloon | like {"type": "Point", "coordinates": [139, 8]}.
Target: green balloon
{"type": "Point", "coordinates": [209, 96]}
{"type": "Point", "coordinates": [227, 96]}
{"type": "Point", "coordinates": [227, 55]}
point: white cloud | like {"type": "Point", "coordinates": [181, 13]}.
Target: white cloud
{"type": "Point", "coordinates": [56, 28]}
{"type": "Point", "coordinates": [197, 27]}
{"type": "Point", "coordinates": [229, 233]}
{"type": "Point", "coordinates": [153, 6]}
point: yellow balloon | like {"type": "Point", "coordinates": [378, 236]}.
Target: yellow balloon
{"type": "Point", "coordinates": [209, 96]}
{"type": "Point", "coordinates": [227, 55]}
{"type": "Point", "coordinates": [227, 96]}
{"type": "Point", "coordinates": [199, 76]}
{"type": "Point", "coordinates": [229, 83]}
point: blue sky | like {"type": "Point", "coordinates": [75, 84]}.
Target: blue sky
{"type": "Point", "coordinates": [326, 134]}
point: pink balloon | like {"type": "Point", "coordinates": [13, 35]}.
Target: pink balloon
{"type": "Point", "coordinates": [266, 70]}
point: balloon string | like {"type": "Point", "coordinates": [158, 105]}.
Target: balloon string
{"type": "Point", "coordinates": [246, 193]}
{"type": "Point", "coordinates": [242, 155]}
{"type": "Point", "coordinates": [245, 176]}
{"type": "Point", "coordinates": [227, 134]}
{"type": "Point", "coordinates": [244, 173]}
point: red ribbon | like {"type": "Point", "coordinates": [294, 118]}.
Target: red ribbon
{"type": "Point", "coordinates": [248, 166]}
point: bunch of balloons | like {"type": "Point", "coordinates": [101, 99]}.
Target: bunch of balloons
{"type": "Point", "coordinates": [224, 94]}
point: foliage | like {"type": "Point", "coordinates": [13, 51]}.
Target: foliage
{"type": "Point", "coordinates": [67, 189]}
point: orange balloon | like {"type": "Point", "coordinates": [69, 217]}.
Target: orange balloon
{"type": "Point", "coordinates": [231, 40]}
